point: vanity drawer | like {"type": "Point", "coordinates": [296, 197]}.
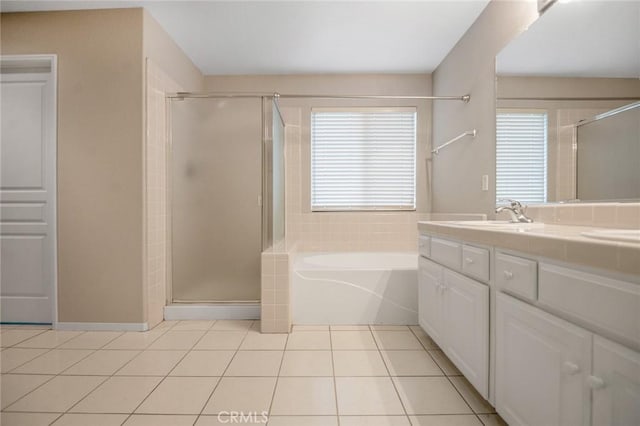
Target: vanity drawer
{"type": "Point", "coordinates": [611, 305]}
{"type": "Point", "coordinates": [424, 245]}
{"type": "Point", "coordinates": [517, 275]}
{"type": "Point", "coordinates": [446, 252]}
{"type": "Point", "coordinates": [475, 262]}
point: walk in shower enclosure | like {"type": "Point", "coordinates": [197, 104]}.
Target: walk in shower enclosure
{"type": "Point", "coordinates": [227, 194]}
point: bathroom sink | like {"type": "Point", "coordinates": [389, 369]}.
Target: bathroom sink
{"type": "Point", "coordinates": [622, 235]}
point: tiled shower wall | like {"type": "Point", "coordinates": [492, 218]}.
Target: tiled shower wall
{"type": "Point", "coordinates": [155, 155]}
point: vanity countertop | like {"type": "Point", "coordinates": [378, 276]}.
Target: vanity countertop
{"type": "Point", "coordinates": [559, 242]}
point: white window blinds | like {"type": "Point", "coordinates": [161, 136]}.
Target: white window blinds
{"type": "Point", "coordinates": [521, 156]}
{"type": "Point", "coordinates": [363, 160]}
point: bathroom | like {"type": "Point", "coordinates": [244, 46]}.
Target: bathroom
{"type": "Point", "coordinates": [177, 261]}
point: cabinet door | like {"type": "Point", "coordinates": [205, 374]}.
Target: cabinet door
{"type": "Point", "coordinates": [542, 363]}
{"type": "Point", "coordinates": [430, 299]}
{"type": "Point", "coordinates": [616, 384]}
{"type": "Point", "coordinates": [466, 313]}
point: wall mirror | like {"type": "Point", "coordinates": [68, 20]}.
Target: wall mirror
{"type": "Point", "coordinates": [568, 106]}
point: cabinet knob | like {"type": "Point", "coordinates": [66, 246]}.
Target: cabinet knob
{"type": "Point", "coordinates": [595, 382]}
{"type": "Point", "coordinates": [508, 275]}
{"type": "Point", "coordinates": [468, 260]}
{"type": "Point", "coordinates": [570, 368]}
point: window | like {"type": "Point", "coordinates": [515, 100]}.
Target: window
{"type": "Point", "coordinates": [363, 159]}
{"type": "Point", "coordinates": [521, 156]}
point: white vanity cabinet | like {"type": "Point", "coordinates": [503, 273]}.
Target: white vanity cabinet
{"type": "Point", "coordinates": [454, 311]}
{"type": "Point", "coordinates": [542, 366]}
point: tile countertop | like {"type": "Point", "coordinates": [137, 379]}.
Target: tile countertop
{"type": "Point", "coordinates": [559, 242]}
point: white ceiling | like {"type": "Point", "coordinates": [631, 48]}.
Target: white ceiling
{"type": "Point", "coordinates": [578, 39]}
{"type": "Point", "coordinates": [288, 37]}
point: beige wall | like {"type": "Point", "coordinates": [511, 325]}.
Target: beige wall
{"type": "Point", "coordinates": [338, 231]}
{"type": "Point", "coordinates": [100, 117]}
{"type": "Point", "coordinates": [470, 68]}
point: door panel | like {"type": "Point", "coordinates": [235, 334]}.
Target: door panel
{"type": "Point", "coordinates": [430, 299]}
{"type": "Point", "coordinates": [27, 198]}
{"type": "Point", "coordinates": [617, 402]}
{"type": "Point", "coordinates": [466, 307]}
{"type": "Point", "coordinates": [542, 363]}
{"type": "Point", "coordinates": [216, 173]}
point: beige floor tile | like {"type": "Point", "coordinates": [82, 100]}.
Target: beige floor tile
{"type": "Point", "coordinates": [256, 326]}
{"type": "Point", "coordinates": [367, 396]}
{"type": "Point", "coordinates": [492, 420]}
{"type": "Point", "coordinates": [255, 363]}
{"type": "Point", "coordinates": [411, 363]}
{"type": "Point", "coordinates": [176, 340]}
{"type": "Point", "coordinates": [27, 419]}
{"type": "Point", "coordinates": [218, 420]}
{"type": "Point", "coordinates": [57, 395]}
{"type": "Point", "coordinates": [53, 362]}
{"type": "Point", "coordinates": [449, 420]}
{"type": "Point", "coordinates": [255, 340]}
{"type": "Point", "coordinates": [160, 420]}
{"type": "Point", "coordinates": [374, 421]}
{"type": "Point", "coordinates": [192, 325]}
{"type": "Point", "coordinates": [353, 340]}
{"type": "Point", "coordinates": [13, 336]}
{"type": "Point", "coordinates": [221, 340]}
{"type": "Point", "coordinates": [430, 395]}
{"type": "Point", "coordinates": [349, 327]}
{"type": "Point", "coordinates": [90, 340]}
{"type": "Point", "coordinates": [310, 328]}
{"type": "Point", "coordinates": [307, 363]}
{"type": "Point", "coordinates": [117, 395]}
{"type": "Point", "coordinates": [302, 421]}
{"type": "Point", "coordinates": [91, 420]}
{"type": "Point", "coordinates": [309, 340]}
{"type": "Point", "coordinates": [15, 386]}
{"type": "Point", "coordinates": [304, 396]}
{"type": "Point", "coordinates": [165, 325]}
{"type": "Point", "coordinates": [358, 363]}
{"type": "Point", "coordinates": [232, 325]}
{"type": "Point", "coordinates": [397, 340]}
{"type": "Point", "coordinates": [152, 363]}
{"type": "Point", "coordinates": [203, 363]}
{"type": "Point", "coordinates": [423, 337]}
{"type": "Point", "coordinates": [390, 328]}
{"type": "Point", "coordinates": [11, 358]}
{"type": "Point", "coordinates": [134, 340]}
{"type": "Point", "coordinates": [445, 363]}
{"type": "Point", "coordinates": [474, 399]}
{"type": "Point", "coordinates": [243, 394]}
{"type": "Point", "coordinates": [179, 395]}
{"type": "Point", "coordinates": [101, 363]}
{"type": "Point", "coordinates": [49, 339]}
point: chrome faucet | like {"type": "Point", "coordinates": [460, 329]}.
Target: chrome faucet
{"type": "Point", "coordinates": [516, 211]}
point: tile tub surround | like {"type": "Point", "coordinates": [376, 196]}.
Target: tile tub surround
{"type": "Point", "coordinates": [276, 288]}
{"type": "Point", "coordinates": [558, 242]}
{"type": "Point", "coordinates": [301, 378]}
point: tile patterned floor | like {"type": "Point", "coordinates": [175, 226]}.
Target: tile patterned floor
{"type": "Point", "coordinates": [197, 372]}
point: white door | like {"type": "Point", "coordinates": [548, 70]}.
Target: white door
{"type": "Point", "coordinates": [430, 299]}
{"type": "Point", "coordinates": [542, 363]}
{"type": "Point", "coordinates": [466, 312]}
{"type": "Point", "coordinates": [27, 197]}
{"type": "Point", "coordinates": [616, 384]}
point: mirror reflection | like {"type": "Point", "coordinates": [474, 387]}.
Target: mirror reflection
{"type": "Point", "coordinates": [568, 116]}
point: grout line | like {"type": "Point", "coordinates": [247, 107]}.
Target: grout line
{"type": "Point", "coordinates": [393, 383]}
{"type": "Point", "coordinates": [223, 373]}
{"type": "Point", "coordinates": [333, 371]}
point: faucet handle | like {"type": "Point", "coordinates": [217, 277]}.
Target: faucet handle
{"type": "Point", "coordinates": [514, 203]}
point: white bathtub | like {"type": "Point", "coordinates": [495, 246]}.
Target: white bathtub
{"type": "Point", "coordinates": [355, 288]}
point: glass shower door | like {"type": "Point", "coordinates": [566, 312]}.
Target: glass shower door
{"type": "Point", "coordinates": [216, 217]}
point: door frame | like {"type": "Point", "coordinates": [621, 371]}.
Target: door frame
{"type": "Point", "coordinates": [46, 63]}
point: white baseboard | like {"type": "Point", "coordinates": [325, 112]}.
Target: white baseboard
{"type": "Point", "coordinates": [102, 326]}
{"type": "Point", "coordinates": [212, 312]}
